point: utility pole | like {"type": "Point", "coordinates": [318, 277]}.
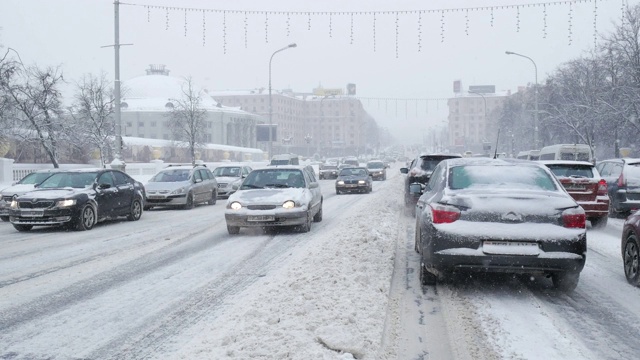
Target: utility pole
{"type": "Point", "coordinates": [118, 161]}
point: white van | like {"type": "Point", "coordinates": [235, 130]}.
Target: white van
{"type": "Point", "coordinates": [528, 155]}
{"type": "Point", "coordinates": [285, 159]}
{"type": "Point", "coordinates": [579, 152]}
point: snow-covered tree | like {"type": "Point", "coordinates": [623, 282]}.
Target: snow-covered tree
{"type": "Point", "coordinates": [92, 112]}
{"type": "Point", "coordinates": [187, 118]}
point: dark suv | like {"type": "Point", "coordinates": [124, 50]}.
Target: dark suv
{"type": "Point", "coordinates": [419, 172]}
{"type": "Point", "coordinates": [623, 184]}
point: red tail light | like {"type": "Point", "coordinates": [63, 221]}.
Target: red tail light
{"type": "Point", "coordinates": [602, 187]}
{"type": "Point", "coordinates": [621, 182]}
{"type": "Point", "coordinates": [443, 214]}
{"type": "Point", "coordinates": [574, 218]}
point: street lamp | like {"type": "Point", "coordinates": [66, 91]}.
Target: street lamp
{"type": "Point", "coordinates": [270, 107]}
{"type": "Point", "coordinates": [307, 139]}
{"type": "Point", "coordinates": [535, 93]}
{"type": "Point", "coordinates": [485, 103]}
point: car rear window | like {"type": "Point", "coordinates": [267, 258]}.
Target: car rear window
{"type": "Point", "coordinates": [632, 171]}
{"type": "Point", "coordinates": [499, 177]}
{"type": "Point", "coordinates": [571, 170]}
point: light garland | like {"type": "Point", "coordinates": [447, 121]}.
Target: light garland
{"type": "Point", "coordinates": [397, 14]}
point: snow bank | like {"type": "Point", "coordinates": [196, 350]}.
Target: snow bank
{"type": "Point", "coordinates": [302, 313]}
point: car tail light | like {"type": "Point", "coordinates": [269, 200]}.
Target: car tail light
{"type": "Point", "coordinates": [602, 187]}
{"type": "Point", "coordinates": [444, 214]}
{"type": "Point", "coordinates": [621, 182]}
{"type": "Point", "coordinates": [574, 218]}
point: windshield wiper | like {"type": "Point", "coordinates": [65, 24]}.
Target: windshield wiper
{"type": "Point", "coordinates": [277, 185]}
{"type": "Point", "coordinates": [251, 186]}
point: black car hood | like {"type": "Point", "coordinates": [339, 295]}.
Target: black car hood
{"type": "Point", "coordinates": [57, 193]}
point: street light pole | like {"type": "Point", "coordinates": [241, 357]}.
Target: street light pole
{"type": "Point", "coordinates": [270, 102]}
{"type": "Point", "coordinates": [485, 103]}
{"type": "Point", "coordinates": [535, 93]}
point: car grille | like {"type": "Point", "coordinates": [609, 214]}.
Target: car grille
{"type": "Point", "coordinates": [261, 207]}
{"type": "Point", "coordinates": [351, 182]}
{"type": "Point", "coordinates": [35, 205]}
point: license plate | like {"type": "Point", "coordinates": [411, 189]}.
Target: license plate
{"type": "Point", "coordinates": [350, 185]}
{"type": "Point", "coordinates": [261, 218]}
{"type": "Point", "coordinates": [32, 213]}
{"type": "Point", "coordinates": [510, 248]}
{"type": "Point", "coordinates": [155, 197]}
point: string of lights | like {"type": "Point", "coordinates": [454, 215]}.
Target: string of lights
{"type": "Point", "coordinates": [397, 15]}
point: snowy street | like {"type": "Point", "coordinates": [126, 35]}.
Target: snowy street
{"type": "Point", "coordinates": [175, 285]}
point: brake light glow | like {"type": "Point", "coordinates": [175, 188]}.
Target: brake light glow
{"type": "Point", "coordinates": [444, 214]}
{"type": "Point", "coordinates": [574, 218]}
{"type": "Point", "coordinates": [602, 187]}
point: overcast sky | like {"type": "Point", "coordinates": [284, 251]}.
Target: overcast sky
{"type": "Point", "coordinates": [331, 53]}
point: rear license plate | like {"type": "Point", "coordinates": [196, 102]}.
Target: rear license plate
{"type": "Point", "coordinates": [510, 248]}
{"type": "Point", "coordinates": [261, 218]}
{"type": "Point", "coordinates": [32, 213]}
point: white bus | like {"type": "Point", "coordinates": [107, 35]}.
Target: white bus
{"type": "Point", "coordinates": [579, 152]}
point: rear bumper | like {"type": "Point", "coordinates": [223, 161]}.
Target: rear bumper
{"type": "Point", "coordinates": [595, 209]}
{"type": "Point", "coordinates": [544, 263]}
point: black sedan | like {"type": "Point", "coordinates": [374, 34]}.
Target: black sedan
{"type": "Point", "coordinates": [354, 179]}
{"type": "Point", "coordinates": [499, 215]}
{"type": "Point", "coordinates": [78, 199]}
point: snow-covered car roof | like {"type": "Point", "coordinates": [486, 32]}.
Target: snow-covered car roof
{"type": "Point", "coordinates": [564, 162]}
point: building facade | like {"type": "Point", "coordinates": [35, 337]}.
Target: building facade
{"type": "Point", "coordinates": [472, 120]}
{"type": "Point", "coordinates": [308, 124]}
{"type": "Point", "coordinates": [148, 100]}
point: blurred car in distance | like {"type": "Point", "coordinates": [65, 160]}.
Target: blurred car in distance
{"type": "Point", "coordinates": [495, 215]}
{"type": "Point", "coordinates": [78, 199]}
{"type": "Point", "coordinates": [25, 184]}
{"type": "Point", "coordinates": [377, 169]}
{"type": "Point", "coordinates": [351, 160]}
{"type": "Point", "coordinates": [623, 184]}
{"type": "Point", "coordinates": [229, 178]}
{"type": "Point", "coordinates": [419, 172]}
{"type": "Point", "coordinates": [274, 197]}
{"type": "Point", "coordinates": [183, 186]}
{"type": "Point", "coordinates": [630, 248]}
{"type": "Point", "coordinates": [354, 179]}
{"type": "Point", "coordinates": [583, 182]}
{"type": "Point", "coordinates": [328, 171]}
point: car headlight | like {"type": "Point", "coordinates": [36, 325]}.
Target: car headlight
{"type": "Point", "coordinates": [340, 182]}
{"type": "Point", "coordinates": [361, 182]}
{"type": "Point", "coordinates": [14, 204]}
{"type": "Point", "coordinates": [182, 190]}
{"type": "Point", "coordinates": [66, 203]}
{"type": "Point", "coordinates": [289, 204]}
{"type": "Point", "coordinates": [235, 206]}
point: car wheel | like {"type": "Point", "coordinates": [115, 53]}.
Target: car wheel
{"type": "Point", "coordinates": [631, 252]}
{"type": "Point", "coordinates": [565, 281]}
{"type": "Point", "coordinates": [4, 218]}
{"type": "Point", "coordinates": [318, 216]}
{"type": "Point", "coordinates": [306, 227]}
{"type": "Point", "coordinates": [136, 211]}
{"type": "Point", "coordinates": [233, 230]}
{"type": "Point", "coordinates": [214, 198]}
{"type": "Point", "coordinates": [21, 228]}
{"type": "Point", "coordinates": [86, 219]}
{"type": "Point", "coordinates": [189, 204]}
{"type": "Point", "coordinates": [599, 222]}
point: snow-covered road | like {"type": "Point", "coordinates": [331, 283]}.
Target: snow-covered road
{"type": "Point", "coordinates": [175, 285]}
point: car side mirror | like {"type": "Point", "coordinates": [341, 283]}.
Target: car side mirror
{"type": "Point", "coordinates": [415, 189]}
{"type": "Point", "coordinates": [197, 181]}
{"type": "Point", "coordinates": [104, 186]}
{"type": "Point", "coordinates": [313, 185]}
{"type": "Point", "coordinates": [404, 170]}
